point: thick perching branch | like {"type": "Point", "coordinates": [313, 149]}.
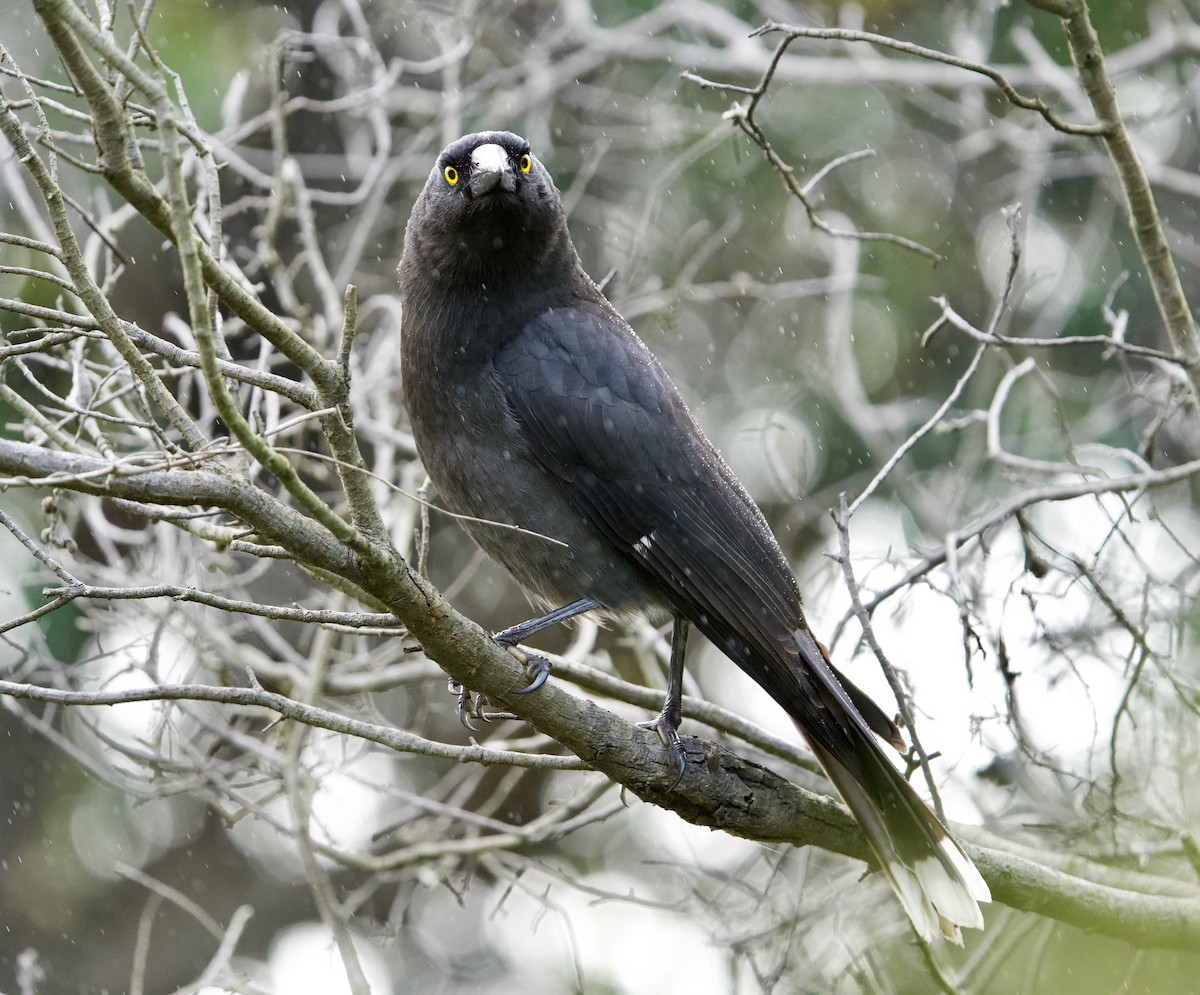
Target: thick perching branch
{"type": "Point", "coordinates": [126, 432]}
{"type": "Point", "coordinates": [720, 789]}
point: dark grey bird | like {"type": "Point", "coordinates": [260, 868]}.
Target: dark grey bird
{"type": "Point", "coordinates": [534, 404]}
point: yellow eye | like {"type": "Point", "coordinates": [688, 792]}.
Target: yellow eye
{"type": "Point", "coordinates": [526, 163]}
{"type": "Point", "coordinates": [451, 175]}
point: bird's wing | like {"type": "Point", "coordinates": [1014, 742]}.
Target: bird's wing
{"type": "Point", "coordinates": [602, 416]}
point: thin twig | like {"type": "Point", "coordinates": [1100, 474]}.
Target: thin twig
{"type": "Point", "coordinates": [933, 55]}
{"type": "Point", "coordinates": [743, 115]}
{"type": "Point", "coordinates": [289, 708]}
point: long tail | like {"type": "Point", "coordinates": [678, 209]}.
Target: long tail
{"type": "Point", "coordinates": [935, 880]}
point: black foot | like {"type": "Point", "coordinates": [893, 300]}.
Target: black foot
{"type": "Point", "coordinates": [668, 732]}
{"type": "Point", "coordinates": [536, 667]}
{"type": "Point", "coordinates": [470, 704]}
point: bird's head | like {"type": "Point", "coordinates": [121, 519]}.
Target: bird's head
{"type": "Point", "coordinates": [489, 207]}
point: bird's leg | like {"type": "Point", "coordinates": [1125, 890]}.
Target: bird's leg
{"type": "Point", "coordinates": [536, 666]}
{"type": "Point", "coordinates": [667, 723]}
{"type": "Point", "coordinates": [519, 633]}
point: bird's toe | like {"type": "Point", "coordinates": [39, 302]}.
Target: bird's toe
{"type": "Point", "coordinates": [538, 669]}
{"type": "Point", "coordinates": [668, 732]}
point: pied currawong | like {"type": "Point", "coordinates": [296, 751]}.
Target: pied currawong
{"type": "Point", "coordinates": [534, 404]}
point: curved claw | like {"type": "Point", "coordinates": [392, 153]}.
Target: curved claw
{"type": "Point", "coordinates": [677, 756]}
{"type": "Point", "coordinates": [464, 704]}
{"type": "Point", "coordinates": [670, 739]}
{"type": "Point", "coordinates": [538, 669]}
{"type": "Point", "coordinates": [470, 705]}
{"type": "Point", "coordinates": [681, 767]}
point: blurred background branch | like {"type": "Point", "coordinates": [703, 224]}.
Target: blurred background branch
{"type": "Point", "coordinates": [208, 485]}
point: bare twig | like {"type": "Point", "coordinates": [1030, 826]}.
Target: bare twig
{"type": "Point", "coordinates": [743, 115]}
{"type": "Point", "coordinates": [1144, 219]}
{"type": "Point", "coordinates": [883, 41]}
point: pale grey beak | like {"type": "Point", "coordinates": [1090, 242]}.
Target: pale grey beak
{"type": "Point", "coordinates": [490, 168]}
